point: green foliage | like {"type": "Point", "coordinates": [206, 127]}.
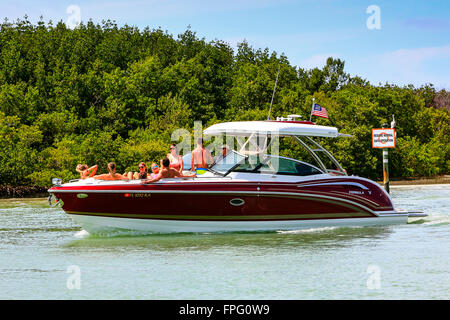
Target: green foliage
{"type": "Point", "coordinates": [18, 149]}
{"type": "Point", "coordinates": [102, 93]}
{"type": "Point", "coordinates": [143, 145]}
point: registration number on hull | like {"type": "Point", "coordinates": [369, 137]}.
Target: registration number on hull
{"type": "Point", "coordinates": [137, 195]}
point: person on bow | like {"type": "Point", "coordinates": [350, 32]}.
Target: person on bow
{"type": "Point", "coordinates": [141, 173]}
{"type": "Point", "coordinates": [176, 161]}
{"type": "Point", "coordinates": [85, 171]}
{"type": "Point", "coordinates": [167, 172]}
{"type": "Point", "coordinates": [112, 175]}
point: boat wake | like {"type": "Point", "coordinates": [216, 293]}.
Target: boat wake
{"type": "Point", "coordinates": [438, 221]}
{"type": "Point", "coordinates": [310, 230]}
{"type": "Point", "coordinates": [433, 219]}
{"type": "Point", "coordinates": [114, 233]}
{"type": "Point", "coordinates": [82, 234]}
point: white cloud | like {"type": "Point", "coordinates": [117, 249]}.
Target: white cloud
{"type": "Point", "coordinates": [415, 57]}
{"type": "Point", "coordinates": [417, 66]}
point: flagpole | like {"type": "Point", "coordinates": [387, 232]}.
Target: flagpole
{"type": "Point", "coordinates": [312, 108]}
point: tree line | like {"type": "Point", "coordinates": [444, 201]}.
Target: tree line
{"type": "Point", "coordinates": [102, 93]}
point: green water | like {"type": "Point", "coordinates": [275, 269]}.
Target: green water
{"type": "Point", "coordinates": [45, 255]}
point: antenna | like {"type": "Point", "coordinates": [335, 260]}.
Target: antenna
{"type": "Point", "coordinates": [273, 94]}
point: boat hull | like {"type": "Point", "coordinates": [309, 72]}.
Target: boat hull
{"type": "Point", "coordinates": [197, 206]}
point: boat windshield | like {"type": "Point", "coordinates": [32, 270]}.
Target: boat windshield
{"type": "Point", "coordinates": [224, 165]}
{"type": "Point", "coordinates": [265, 164]}
{"type": "Point", "coordinates": [272, 164]}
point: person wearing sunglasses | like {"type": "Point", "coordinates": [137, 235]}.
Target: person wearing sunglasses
{"type": "Point", "coordinates": [176, 161]}
{"type": "Point", "coordinates": [155, 170]}
{"type": "Point", "coordinates": [142, 172]}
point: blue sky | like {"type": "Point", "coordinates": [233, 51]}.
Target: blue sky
{"type": "Point", "coordinates": [411, 45]}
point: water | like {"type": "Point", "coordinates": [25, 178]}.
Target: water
{"type": "Point", "coordinates": [45, 255]}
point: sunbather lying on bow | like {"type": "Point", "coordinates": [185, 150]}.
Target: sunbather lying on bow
{"type": "Point", "coordinates": [112, 175]}
{"type": "Point", "coordinates": [85, 171]}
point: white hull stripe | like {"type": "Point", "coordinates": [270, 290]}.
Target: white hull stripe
{"type": "Point", "coordinates": [354, 184]}
{"type": "Point", "coordinates": [95, 224]}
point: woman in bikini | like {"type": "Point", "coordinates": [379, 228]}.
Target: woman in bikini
{"type": "Point", "coordinates": [176, 161]}
{"type": "Point", "coordinates": [137, 175]}
{"type": "Point", "coordinates": [86, 172]}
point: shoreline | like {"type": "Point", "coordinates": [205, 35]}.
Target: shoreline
{"type": "Point", "coordinates": [418, 181]}
{"type": "Point", "coordinates": [9, 192]}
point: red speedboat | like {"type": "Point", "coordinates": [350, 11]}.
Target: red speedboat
{"type": "Point", "coordinates": [249, 189]}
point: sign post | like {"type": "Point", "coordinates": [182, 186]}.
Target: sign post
{"type": "Point", "coordinates": [384, 139]}
{"type": "Point", "coordinates": [386, 170]}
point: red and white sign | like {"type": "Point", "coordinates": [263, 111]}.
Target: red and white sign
{"type": "Point", "coordinates": [383, 138]}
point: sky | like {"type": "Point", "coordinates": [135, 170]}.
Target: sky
{"type": "Point", "coordinates": [397, 41]}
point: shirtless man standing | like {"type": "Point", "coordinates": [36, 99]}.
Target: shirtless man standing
{"type": "Point", "coordinates": [200, 158]}
{"type": "Point", "coordinates": [167, 172]}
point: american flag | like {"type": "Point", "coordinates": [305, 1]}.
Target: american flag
{"type": "Point", "coordinates": [319, 111]}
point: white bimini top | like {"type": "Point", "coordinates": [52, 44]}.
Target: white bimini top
{"type": "Point", "coordinates": [280, 128]}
